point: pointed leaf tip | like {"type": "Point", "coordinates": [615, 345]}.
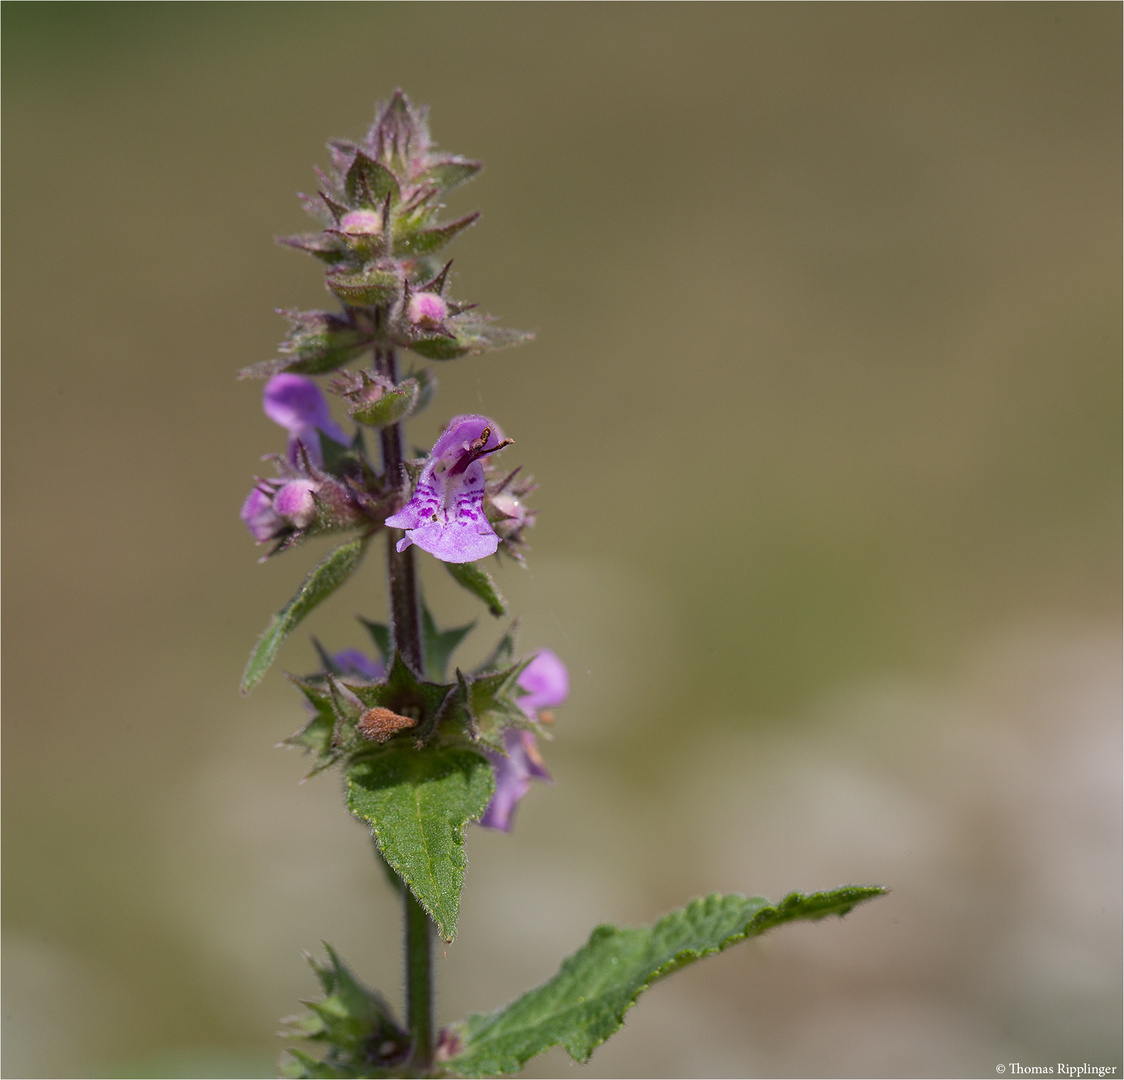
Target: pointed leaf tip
{"type": "Point", "coordinates": [478, 582]}
{"type": "Point", "coordinates": [586, 1001]}
{"type": "Point", "coordinates": [417, 803]}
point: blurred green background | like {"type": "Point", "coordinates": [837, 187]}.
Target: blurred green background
{"type": "Point", "coordinates": [825, 408]}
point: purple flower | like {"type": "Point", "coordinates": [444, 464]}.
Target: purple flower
{"type": "Point", "coordinates": [297, 405]}
{"type": "Point", "coordinates": [446, 515]}
{"type": "Point", "coordinates": [259, 516]}
{"type": "Point", "coordinates": [355, 662]}
{"type": "Point", "coordinates": [547, 684]}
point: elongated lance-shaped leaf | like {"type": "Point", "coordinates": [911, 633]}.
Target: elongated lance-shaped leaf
{"type": "Point", "coordinates": [418, 803]}
{"type": "Point", "coordinates": [324, 579]}
{"type": "Point", "coordinates": [586, 1001]}
{"type": "Point", "coordinates": [478, 582]}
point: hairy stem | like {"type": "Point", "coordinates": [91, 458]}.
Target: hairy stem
{"type": "Point", "coordinates": [405, 619]}
{"type": "Point", "coordinates": [405, 624]}
{"type": "Point", "coordinates": [419, 985]}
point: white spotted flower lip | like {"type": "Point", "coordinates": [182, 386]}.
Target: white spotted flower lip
{"type": "Point", "coordinates": [446, 514]}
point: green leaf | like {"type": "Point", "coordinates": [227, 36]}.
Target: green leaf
{"type": "Point", "coordinates": [357, 1024]}
{"type": "Point", "coordinates": [393, 406]}
{"type": "Point", "coordinates": [480, 584]}
{"type": "Point", "coordinates": [474, 335]}
{"type": "Point", "coordinates": [318, 734]}
{"type": "Point", "coordinates": [586, 1001]}
{"type": "Point", "coordinates": [371, 285]}
{"type": "Point", "coordinates": [418, 803]}
{"type": "Point", "coordinates": [318, 341]}
{"type": "Point", "coordinates": [440, 347]}
{"type": "Point", "coordinates": [438, 645]}
{"type": "Point", "coordinates": [323, 245]}
{"type": "Point", "coordinates": [380, 635]}
{"type": "Point", "coordinates": [368, 183]}
{"type": "Point", "coordinates": [324, 579]}
{"type": "Point", "coordinates": [427, 387]}
{"type": "Point", "coordinates": [448, 174]}
{"type": "Point", "coordinates": [426, 241]}
{"type": "Point", "coordinates": [503, 653]}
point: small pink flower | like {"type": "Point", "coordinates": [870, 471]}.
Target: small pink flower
{"type": "Point", "coordinates": [361, 221]}
{"type": "Point", "coordinates": [426, 310]}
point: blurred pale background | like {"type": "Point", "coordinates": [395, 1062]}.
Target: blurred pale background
{"type": "Point", "coordinates": [825, 409]}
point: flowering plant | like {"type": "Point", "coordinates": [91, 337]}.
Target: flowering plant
{"type": "Point", "coordinates": [425, 752]}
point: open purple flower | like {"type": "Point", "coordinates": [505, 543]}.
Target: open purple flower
{"type": "Point", "coordinates": [547, 684]}
{"type": "Point", "coordinates": [297, 405]}
{"type": "Point", "coordinates": [446, 514]}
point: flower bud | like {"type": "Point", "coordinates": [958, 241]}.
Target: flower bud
{"type": "Point", "coordinates": [259, 516]}
{"type": "Point", "coordinates": [295, 502]}
{"type": "Point", "coordinates": [361, 221]}
{"type": "Point", "coordinates": [427, 310]}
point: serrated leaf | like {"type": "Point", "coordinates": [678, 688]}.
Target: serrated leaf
{"type": "Point", "coordinates": [426, 241]}
{"type": "Point", "coordinates": [323, 580]}
{"type": "Point", "coordinates": [586, 1001]}
{"type": "Point", "coordinates": [478, 582]}
{"type": "Point", "coordinates": [418, 803]}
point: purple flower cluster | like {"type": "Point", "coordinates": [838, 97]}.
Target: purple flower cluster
{"type": "Point", "coordinates": [288, 502]}
{"type": "Point", "coordinates": [453, 514]}
{"type": "Point", "coordinates": [293, 501]}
